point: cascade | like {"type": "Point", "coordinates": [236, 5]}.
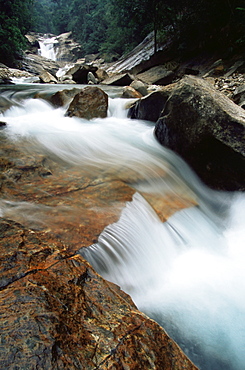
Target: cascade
{"type": "Point", "coordinates": [186, 273]}
{"type": "Point", "coordinates": [48, 48]}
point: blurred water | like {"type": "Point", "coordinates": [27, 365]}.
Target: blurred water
{"type": "Point", "coordinates": [186, 273]}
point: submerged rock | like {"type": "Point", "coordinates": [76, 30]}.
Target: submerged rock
{"type": "Point", "coordinates": [91, 102]}
{"type": "Point", "coordinates": [207, 130]}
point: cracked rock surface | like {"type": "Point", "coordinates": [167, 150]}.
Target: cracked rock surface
{"type": "Point", "coordinates": [56, 312]}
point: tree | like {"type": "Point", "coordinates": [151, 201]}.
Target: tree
{"type": "Point", "coordinates": [15, 21]}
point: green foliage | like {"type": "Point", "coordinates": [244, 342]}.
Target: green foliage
{"type": "Point", "coordinates": [15, 21]}
{"type": "Point", "coordinates": [116, 26]}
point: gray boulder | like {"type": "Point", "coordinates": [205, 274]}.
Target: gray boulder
{"type": "Point", "coordinates": [207, 129]}
{"type": "Point", "coordinates": [158, 75]}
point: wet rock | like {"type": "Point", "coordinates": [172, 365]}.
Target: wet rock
{"type": "Point", "coordinates": [90, 103]}
{"type": "Point", "coordinates": [150, 107]}
{"type": "Point", "coordinates": [58, 313]}
{"type": "Point", "coordinates": [63, 97]}
{"type": "Point", "coordinates": [7, 75]}
{"type": "Point", "coordinates": [130, 92]}
{"type": "Point", "coordinates": [207, 130]}
{"type": "Point", "coordinates": [122, 79]}
{"type": "Point", "coordinates": [46, 77]}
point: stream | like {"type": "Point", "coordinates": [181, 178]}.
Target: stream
{"type": "Point", "coordinates": [186, 273]}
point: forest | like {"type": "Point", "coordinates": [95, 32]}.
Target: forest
{"type": "Point", "coordinates": [115, 27]}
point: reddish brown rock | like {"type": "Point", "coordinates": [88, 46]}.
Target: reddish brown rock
{"type": "Point", "coordinates": [90, 103]}
{"type": "Point", "coordinates": [130, 92]}
{"type": "Point", "coordinates": [58, 313]}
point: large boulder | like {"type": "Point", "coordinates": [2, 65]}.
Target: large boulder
{"type": "Point", "coordinates": [90, 102]}
{"type": "Point", "coordinates": [207, 130]}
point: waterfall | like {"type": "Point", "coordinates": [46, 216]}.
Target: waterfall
{"type": "Point", "coordinates": [186, 273]}
{"type": "Point", "coordinates": [48, 48]}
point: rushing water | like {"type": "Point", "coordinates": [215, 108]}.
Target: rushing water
{"type": "Point", "coordinates": [187, 273]}
{"type": "Point", "coordinates": [47, 47]}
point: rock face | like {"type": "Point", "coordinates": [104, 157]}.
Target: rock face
{"type": "Point", "coordinates": [67, 49]}
{"type": "Point", "coordinates": [207, 130]}
{"type": "Point", "coordinates": [56, 312]}
{"type": "Point", "coordinates": [36, 65]}
{"type": "Point", "coordinates": [91, 102]}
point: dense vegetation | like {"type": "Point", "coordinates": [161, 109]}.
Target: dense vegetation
{"type": "Point", "coordinates": [116, 26]}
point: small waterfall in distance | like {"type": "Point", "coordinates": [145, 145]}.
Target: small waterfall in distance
{"type": "Point", "coordinates": [47, 47]}
{"type": "Point", "coordinates": [187, 273]}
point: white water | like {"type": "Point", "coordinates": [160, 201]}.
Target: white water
{"type": "Point", "coordinates": [47, 48]}
{"type": "Point", "coordinates": [188, 273]}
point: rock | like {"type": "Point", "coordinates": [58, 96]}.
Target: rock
{"type": "Point", "coordinates": [67, 49]}
{"type": "Point", "coordinates": [91, 102]}
{"type": "Point", "coordinates": [46, 77]}
{"type": "Point", "coordinates": [140, 87]}
{"type": "Point", "coordinates": [121, 79]}
{"type": "Point", "coordinates": [63, 97]}
{"type": "Point", "coordinates": [130, 92]}
{"type": "Point", "coordinates": [89, 58]}
{"type": "Point", "coordinates": [239, 95]}
{"type": "Point", "coordinates": [101, 74]}
{"type": "Point", "coordinates": [150, 107]}
{"type": "Point", "coordinates": [80, 73]}
{"type": "Point", "coordinates": [7, 75]}
{"type": "Point", "coordinates": [207, 130]}
{"type": "Point", "coordinates": [92, 79]}
{"type": "Point", "coordinates": [36, 64]}
{"type": "Point", "coordinates": [158, 75]}
{"type": "Point", "coordinates": [58, 313]}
